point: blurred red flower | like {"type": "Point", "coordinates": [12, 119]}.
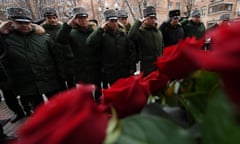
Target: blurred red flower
{"type": "Point", "coordinates": [176, 64]}
{"type": "Point", "coordinates": [223, 58]}
{"type": "Point", "coordinates": [127, 95]}
{"type": "Point", "coordinates": [70, 117]}
{"type": "Point", "coordinates": [157, 81]}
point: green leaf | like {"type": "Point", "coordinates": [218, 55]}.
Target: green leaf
{"type": "Point", "coordinates": [196, 96]}
{"type": "Point", "coordinates": [205, 81]}
{"type": "Point", "coordinates": [113, 129]}
{"type": "Point", "coordinates": [195, 104]}
{"type": "Point", "coordinates": [219, 126]}
{"type": "Point", "coordinates": [142, 129]}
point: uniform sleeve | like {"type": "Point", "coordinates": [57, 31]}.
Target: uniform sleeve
{"type": "Point", "coordinates": [133, 32]}
{"type": "Point", "coordinates": [132, 55]}
{"type": "Point", "coordinates": [94, 39]}
{"type": "Point", "coordinates": [3, 75]}
{"type": "Point", "coordinates": [56, 51]}
{"type": "Point", "coordinates": [2, 47]}
{"type": "Point", "coordinates": [63, 34]}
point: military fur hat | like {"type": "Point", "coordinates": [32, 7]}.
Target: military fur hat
{"type": "Point", "coordinates": [224, 17]}
{"type": "Point", "coordinates": [149, 11]}
{"type": "Point", "coordinates": [49, 12]}
{"type": "Point", "coordinates": [174, 13]}
{"type": "Point", "coordinates": [195, 13]}
{"type": "Point", "coordinates": [122, 13]}
{"type": "Point", "coordinates": [79, 11]}
{"type": "Point", "coordinates": [19, 14]}
{"type": "Point", "coordinates": [110, 14]}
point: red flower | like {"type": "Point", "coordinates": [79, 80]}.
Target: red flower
{"type": "Point", "coordinates": [176, 64]}
{"type": "Point", "coordinates": [127, 95]}
{"type": "Point", "coordinates": [70, 117]}
{"type": "Point", "coordinates": [157, 81]}
{"type": "Point", "coordinates": [223, 58]}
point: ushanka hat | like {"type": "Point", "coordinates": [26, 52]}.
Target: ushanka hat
{"type": "Point", "coordinates": [195, 13]}
{"type": "Point", "coordinates": [149, 11]}
{"type": "Point", "coordinates": [174, 13]}
{"type": "Point", "coordinates": [122, 14]}
{"type": "Point", "coordinates": [19, 14]}
{"type": "Point", "coordinates": [110, 14]}
{"type": "Point", "coordinates": [225, 17]}
{"type": "Point", "coordinates": [49, 12]}
{"type": "Point", "coordinates": [79, 11]}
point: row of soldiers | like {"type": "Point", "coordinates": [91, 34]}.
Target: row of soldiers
{"type": "Point", "coordinates": [51, 57]}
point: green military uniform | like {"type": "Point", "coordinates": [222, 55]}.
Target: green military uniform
{"type": "Point", "coordinates": [67, 64]}
{"type": "Point", "coordinates": [30, 63]}
{"type": "Point", "coordinates": [192, 29]}
{"type": "Point", "coordinates": [116, 53]}
{"type": "Point", "coordinates": [86, 62]}
{"type": "Point", "coordinates": [149, 44]}
{"type": "Point", "coordinates": [52, 29]}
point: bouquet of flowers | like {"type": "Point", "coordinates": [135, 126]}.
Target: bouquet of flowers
{"type": "Point", "coordinates": [193, 98]}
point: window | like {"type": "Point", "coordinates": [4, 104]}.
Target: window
{"type": "Point", "coordinates": [238, 12]}
{"type": "Point", "coordinates": [178, 5]}
{"type": "Point", "coordinates": [220, 7]}
{"type": "Point", "coordinates": [192, 2]}
{"type": "Point", "coordinates": [203, 11]}
{"type": "Point", "coordinates": [170, 5]}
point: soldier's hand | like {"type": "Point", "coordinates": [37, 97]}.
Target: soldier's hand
{"type": "Point", "coordinates": [6, 27]}
{"type": "Point", "coordinates": [104, 26]}
{"type": "Point", "coordinates": [72, 22]}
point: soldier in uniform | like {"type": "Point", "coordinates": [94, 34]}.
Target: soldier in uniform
{"type": "Point", "coordinates": [75, 32]}
{"type": "Point", "coordinates": [224, 19]}
{"type": "Point", "coordinates": [123, 19]}
{"type": "Point", "coordinates": [148, 40]}
{"type": "Point", "coordinates": [193, 27]}
{"type": "Point", "coordinates": [52, 25]}
{"type": "Point", "coordinates": [116, 53]}
{"type": "Point", "coordinates": [172, 31]}
{"type": "Point", "coordinates": [30, 61]}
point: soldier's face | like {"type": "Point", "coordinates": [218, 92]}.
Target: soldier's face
{"type": "Point", "coordinates": [174, 21]}
{"type": "Point", "coordinates": [113, 24]}
{"type": "Point", "coordinates": [24, 27]}
{"type": "Point", "coordinates": [123, 20]}
{"type": "Point", "coordinates": [82, 21]}
{"type": "Point", "coordinates": [196, 19]}
{"type": "Point", "coordinates": [150, 21]}
{"type": "Point", "coordinates": [52, 20]}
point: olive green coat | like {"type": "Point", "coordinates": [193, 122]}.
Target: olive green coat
{"type": "Point", "coordinates": [116, 53]}
{"type": "Point", "coordinates": [149, 44]}
{"type": "Point", "coordinates": [30, 62]}
{"type": "Point", "coordinates": [87, 68]}
{"type": "Point", "coordinates": [192, 29]}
